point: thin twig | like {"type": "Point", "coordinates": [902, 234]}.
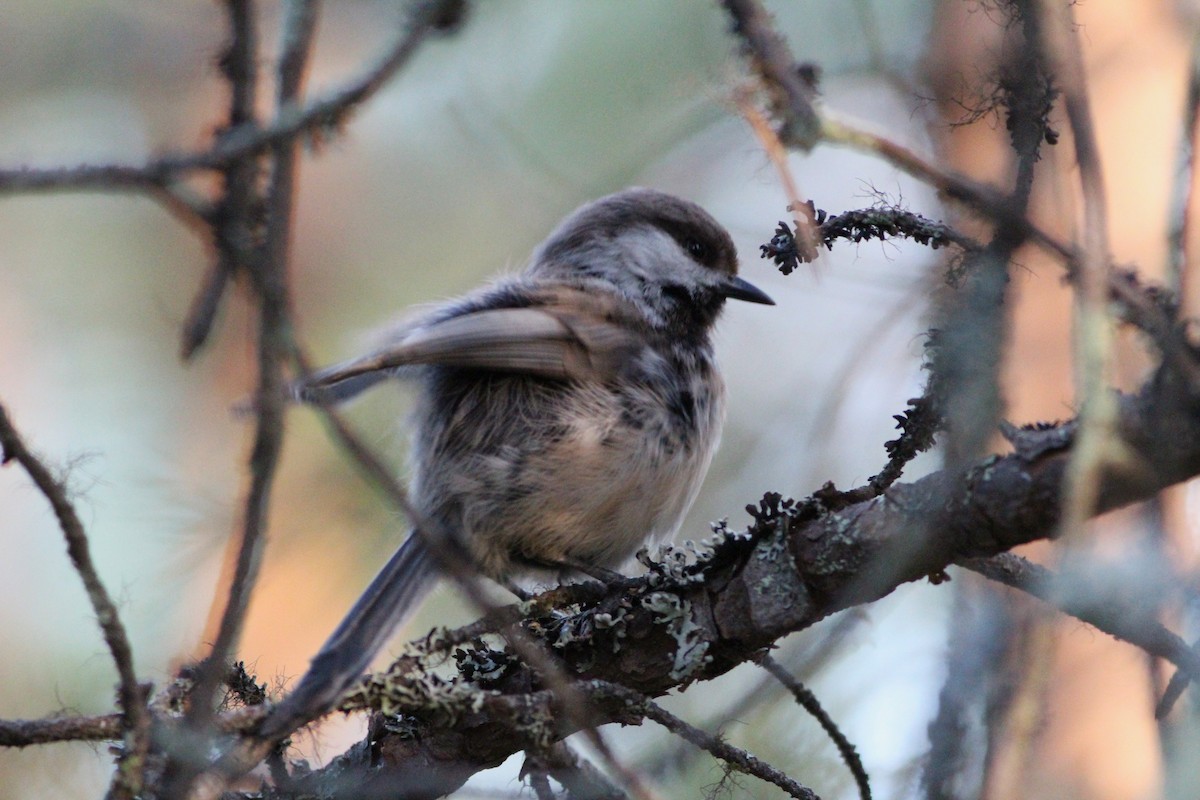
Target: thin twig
{"type": "Point", "coordinates": [292, 120]}
{"type": "Point", "coordinates": [807, 234]}
{"type": "Point", "coordinates": [814, 656]}
{"type": "Point", "coordinates": [269, 276]}
{"type": "Point", "coordinates": [234, 213]}
{"type": "Point", "coordinates": [735, 757]}
{"type": "Point", "coordinates": [792, 97]}
{"type": "Point", "coordinates": [1139, 304]}
{"type": "Point", "coordinates": [1185, 173]}
{"type": "Point", "coordinates": [1112, 613]}
{"type": "Point", "coordinates": [135, 718]}
{"type": "Point", "coordinates": [26, 732]}
{"type": "Point", "coordinates": [578, 776]}
{"type": "Point", "coordinates": [1050, 41]}
{"type": "Point", "coordinates": [808, 701]}
{"type": "Point", "coordinates": [274, 343]}
{"type": "Point", "coordinates": [1095, 440]}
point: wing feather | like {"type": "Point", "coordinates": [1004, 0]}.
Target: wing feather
{"type": "Point", "coordinates": [543, 341]}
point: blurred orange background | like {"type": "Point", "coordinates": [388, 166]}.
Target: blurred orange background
{"type": "Point", "coordinates": [450, 175]}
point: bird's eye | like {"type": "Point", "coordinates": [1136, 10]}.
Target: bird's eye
{"type": "Point", "coordinates": [697, 250]}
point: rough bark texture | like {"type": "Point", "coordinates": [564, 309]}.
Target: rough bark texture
{"type": "Point", "coordinates": [798, 566]}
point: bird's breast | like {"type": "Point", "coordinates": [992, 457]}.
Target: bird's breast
{"type": "Point", "coordinates": [531, 470]}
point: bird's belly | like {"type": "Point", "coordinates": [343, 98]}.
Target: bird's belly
{"type": "Point", "coordinates": [578, 473]}
{"type": "Point", "coordinates": [597, 495]}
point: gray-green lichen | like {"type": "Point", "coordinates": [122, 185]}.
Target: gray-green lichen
{"type": "Point", "coordinates": [691, 649]}
{"type": "Point", "coordinates": [614, 622]}
{"type": "Point", "coordinates": [416, 691]}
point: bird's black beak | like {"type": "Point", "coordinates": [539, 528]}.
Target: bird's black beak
{"type": "Point", "coordinates": [737, 289]}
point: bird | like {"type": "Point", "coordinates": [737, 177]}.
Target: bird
{"type": "Point", "coordinates": [565, 416]}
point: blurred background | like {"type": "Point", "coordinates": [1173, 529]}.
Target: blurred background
{"type": "Point", "coordinates": [451, 175]}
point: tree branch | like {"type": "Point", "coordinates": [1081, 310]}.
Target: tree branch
{"type": "Point", "coordinates": [808, 701]}
{"type": "Point", "coordinates": [1119, 614]}
{"type": "Point", "coordinates": [798, 566]}
{"type": "Point", "coordinates": [134, 716]}
{"type": "Point", "coordinates": [26, 732]}
{"type": "Point", "coordinates": [274, 344]}
{"type": "Point", "coordinates": [232, 218]}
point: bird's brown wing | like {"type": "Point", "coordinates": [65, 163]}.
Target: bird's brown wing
{"type": "Point", "coordinates": [567, 341]}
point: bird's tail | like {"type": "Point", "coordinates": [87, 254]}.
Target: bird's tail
{"type": "Point", "coordinates": [345, 655]}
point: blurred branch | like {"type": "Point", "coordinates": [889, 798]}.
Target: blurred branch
{"type": "Point", "coordinates": [791, 95]}
{"type": "Point", "coordinates": [135, 718]}
{"type": "Point", "coordinates": [234, 214]}
{"type": "Point", "coordinates": [157, 177]}
{"type": "Point", "coordinates": [1146, 308]}
{"type": "Point", "coordinates": [269, 276]}
{"type": "Point", "coordinates": [268, 272]}
{"type": "Point", "coordinates": [1121, 615]}
{"type": "Point", "coordinates": [1184, 178]}
{"type": "Point", "coordinates": [1176, 686]}
{"type": "Point", "coordinates": [578, 777]}
{"type": "Point", "coordinates": [1095, 440]}
{"type": "Point", "coordinates": [26, 732]}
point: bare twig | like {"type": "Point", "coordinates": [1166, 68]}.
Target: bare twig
{"type": "Point", "coordinates": [735, 757]}
{"type": "Point", "coordinates": [806, 237]}
{"type": "Point", "coordinates": [134, 716]}
{"type": "Point", "coordinates": [1185, 172]}
{"type": "Point", "coordinates": [274, 344]}
{"type": "Point", "coordinates": [291, 121]}
{"type": "Point", "coordinates": [808, 701]}
{"type": "Point", "coordinates": [1139, 304]}
{"type": "Point", "coordinates": [1118, 615]}
{"type": "Point", "coordinates": [232, 219]}
{"type": "Point", "coordinates": [1095, 443]}
{"type": "Point", "coordinates": [1179, 682]}
{"type": "Point", "coordinates": [26, 732]}
{"type": "Point", "coordinates": [792, 98]}
{"type": "Point", "coordinates": [269, 276]}
{"type": "Point", "coordinates": [814, 656]}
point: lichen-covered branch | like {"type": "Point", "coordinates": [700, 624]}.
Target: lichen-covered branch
{"type": "Point", "coordinates": [796, 566]}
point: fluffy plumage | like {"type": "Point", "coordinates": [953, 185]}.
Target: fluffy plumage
{"type": "Point", "coordinates": [565, 415]}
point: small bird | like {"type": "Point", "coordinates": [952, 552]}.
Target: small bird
{"type": "Point", "coordinates": [565, 415]}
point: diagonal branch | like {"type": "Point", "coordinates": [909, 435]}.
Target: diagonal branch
{"type": "Point", "coordinates": [290, 123]}
{"type": "Point", "coordinates": [796, 568]}
{"type": "Point", "coordinates": [737, 758]}
{"type": "Point", "coordinates": [808, 701]}
{"type": "Point", "coordinates": [1119, 614]}
{"type": "Point", "coordinates": [792, 97]}
{"type": "Point", "coordinates": [135, 720]}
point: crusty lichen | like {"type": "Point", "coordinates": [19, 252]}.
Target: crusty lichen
{"type": "Point", "coordinates": [691, 648]}
{"type": "Point", "coordinates": [409, 688]}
